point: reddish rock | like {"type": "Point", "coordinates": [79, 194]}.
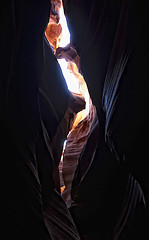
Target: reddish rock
{"type": "Point", "coordinates": [75, 143]}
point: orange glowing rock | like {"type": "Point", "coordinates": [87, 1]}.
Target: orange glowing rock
{"type": "Point", "coordinates": [62, 189]}
{"type": "Point", "coordinates": [58, 35]}
{"type": "Point", "coordinates": [52, 33]}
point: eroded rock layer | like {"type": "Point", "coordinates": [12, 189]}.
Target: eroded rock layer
{"type": "Point", "coordinates": [75, 143]}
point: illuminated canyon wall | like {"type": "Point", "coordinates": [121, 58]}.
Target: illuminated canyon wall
{"type": "Point", "coordinates": [97, 186]}
{"type": "Point", "coordinates": [59, 38]}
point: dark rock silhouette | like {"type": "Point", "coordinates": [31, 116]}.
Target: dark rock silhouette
{"type": "Point", "coordinates": [110, 185]}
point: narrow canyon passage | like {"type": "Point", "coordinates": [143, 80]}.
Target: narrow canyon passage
{"type": "Point", "coordinates": [74, 119]}
{"type": "Point", "coordinates": [58, 35]}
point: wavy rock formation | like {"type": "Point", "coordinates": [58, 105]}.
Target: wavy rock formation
{"type": "Point", "coordinates": [75, 142]}
{"type": "Point", "coordinates": [105, 164]}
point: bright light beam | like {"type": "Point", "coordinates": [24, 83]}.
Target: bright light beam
{"type": "Point", "coordinates": [71, 80]}
{"type": "Point", "coordinates": [65, 35]}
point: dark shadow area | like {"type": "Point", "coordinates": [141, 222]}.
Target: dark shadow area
{"type": "Point", "coordinates": [110, 187]}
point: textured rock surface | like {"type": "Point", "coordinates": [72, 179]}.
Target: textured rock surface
{"type": "Point", "coordinates": [34, 99]}
{"type": "Point", "coordinates": [110, 190]}
{"type": "Point", "coordinates": [74, 145]}
{"type": "Point", "coordinates": [112, 39]}
{"type": "Point", "coordinates": [75, 105]}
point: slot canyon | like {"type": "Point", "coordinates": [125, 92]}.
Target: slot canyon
{"type": "Point", "coordinates": [74, 119]}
